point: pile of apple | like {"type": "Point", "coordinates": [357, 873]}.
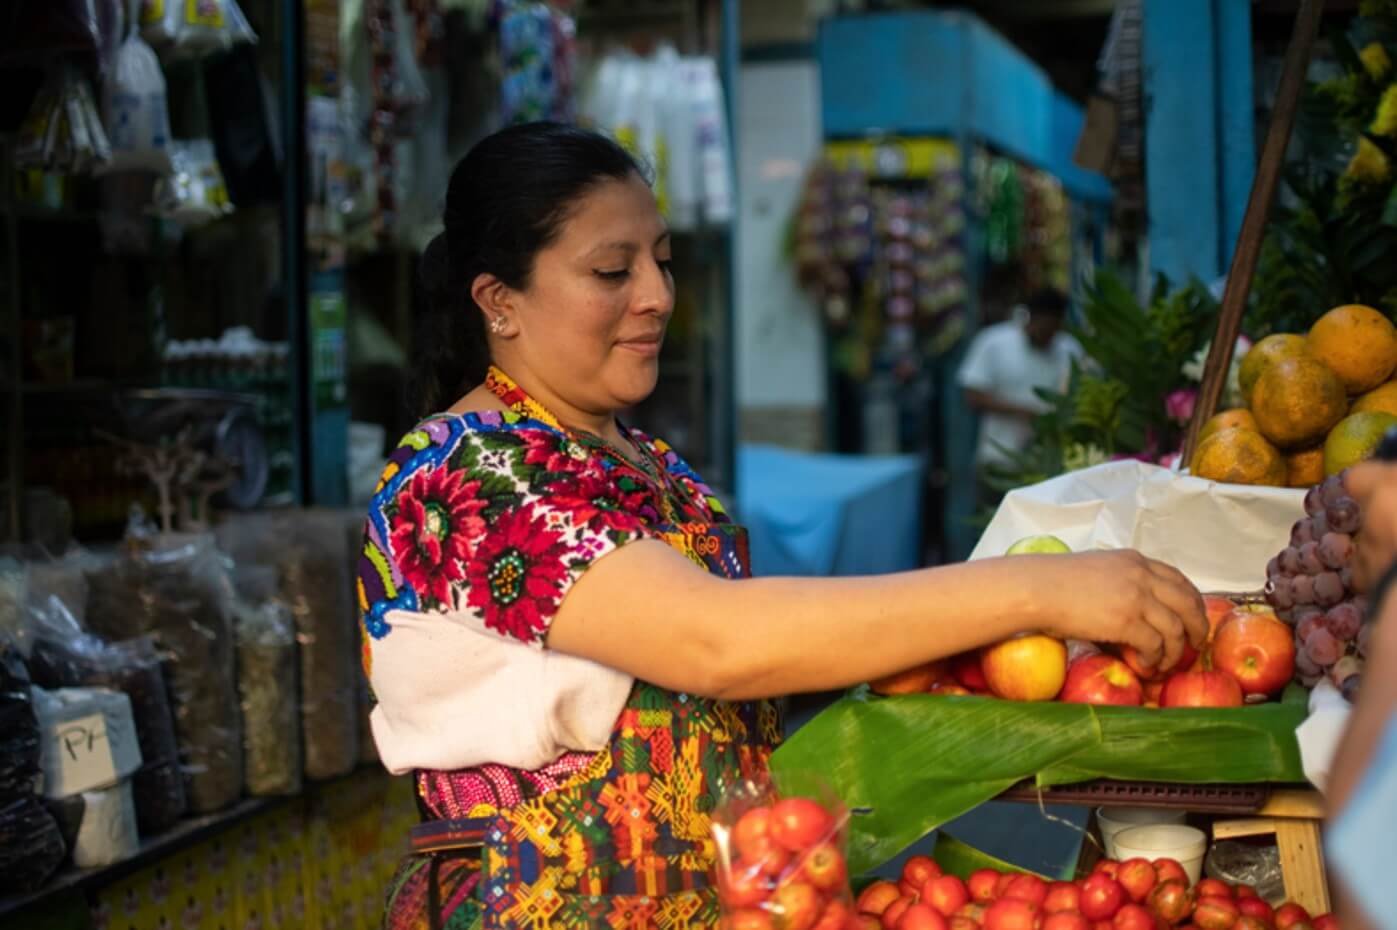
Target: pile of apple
{"type": "Point", "coordinates": [1133, 895]}
{"type": "Point", "coordinates": [781, 867]}
{"type": "Point", "coordinates": [1249, 657]}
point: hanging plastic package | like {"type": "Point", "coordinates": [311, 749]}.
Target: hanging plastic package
{"type": "Point", "coordinates": [194, 27]}
{"type": "Point", "coordinates": [244, 127]}
{"type": "Point", "coordinates": [193, 193]}
{"type": "Point", "coordinates": [137, 112]}
{"type": "Point", "coordinates": [175, 588]}
{"type": "Point", "coordinates": [160, 22]}
{"type": "Point", "coordinates": [711, 128]}
{"type": "Point", "coordinates": [63, 129]}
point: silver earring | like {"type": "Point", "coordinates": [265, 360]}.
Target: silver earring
{"type": "Point", "coordinates": [497, 325]}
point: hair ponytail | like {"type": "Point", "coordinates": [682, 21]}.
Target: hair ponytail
{"type": "Point", "coordinates": [450, 354]}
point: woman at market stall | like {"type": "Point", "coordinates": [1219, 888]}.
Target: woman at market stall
{"type": "Point", "coordinates": [559, 629]}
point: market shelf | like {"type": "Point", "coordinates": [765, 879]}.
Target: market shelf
{"type": "Point", "coordinates": [1206, 799]}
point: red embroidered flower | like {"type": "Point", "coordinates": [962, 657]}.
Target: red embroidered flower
{"type": "Point", "coordinates": [551, 453]}
{"type": "Point", "coordinates": [438, 518]}
{"type": "Point", "coordinates": [591, 499]}
{"type": "Point", "coordinates": [517, 575]}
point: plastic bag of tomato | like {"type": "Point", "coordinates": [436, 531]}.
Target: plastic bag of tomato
{"type": "Point", "coordinates": [781, 859]}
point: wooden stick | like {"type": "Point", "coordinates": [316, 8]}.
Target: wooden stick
{"type": "Point", "coordinates": [1263, 192]}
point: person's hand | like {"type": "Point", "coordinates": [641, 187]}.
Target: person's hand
{"type": "Point", "coordinates": [1122, 597]}
{"type": "Point", "coordinates": [1374, 486]}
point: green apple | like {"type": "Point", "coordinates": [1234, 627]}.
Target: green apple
{"type": "Point", "coordinates": [1040, 545]}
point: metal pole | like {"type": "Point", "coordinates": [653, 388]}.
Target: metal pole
{"type": "Point", "coordinates": [293, 233]}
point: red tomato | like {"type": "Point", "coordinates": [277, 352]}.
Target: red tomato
{"type": "Point", "coordinates": [922, 917]}
{"type": "Point", "coordinates": [799, 823]}
{"type": "Point", "coordinates": [836, 916]}
{"type": "Point", "coordinates": [918, 870]}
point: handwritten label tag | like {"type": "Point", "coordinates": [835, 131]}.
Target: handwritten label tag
{"type": "Point", "coordinates": [82, 752]}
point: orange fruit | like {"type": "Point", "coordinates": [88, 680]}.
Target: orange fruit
{"type": "Point", "coordinates": [1259, 357]}
{"type": "Point", "coordinates": [1226, 419]}
{"type": "Point", "coordinates": [1304, 468]}
{"type": "Point", "coordinates": [1297, 401]}
{"type": "Point", "coordinates": [1239, 456]}
{"type": "Point", "coordinates": [1355, 438]}
{"type": "Point", "coordinates": [1382, 399]}
{"type": "Point", "coordinates": [1358, 343]}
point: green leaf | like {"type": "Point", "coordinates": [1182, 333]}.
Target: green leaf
{"type": "Point", "coordinates": [909, 764]}
{"type": "Point", "coordinates": [959, 858]}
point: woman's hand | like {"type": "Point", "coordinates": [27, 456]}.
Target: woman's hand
{"type": "Point", "coordinates": [1122, 597]}
{"type": "Point", "coordinates": [1374, 486]}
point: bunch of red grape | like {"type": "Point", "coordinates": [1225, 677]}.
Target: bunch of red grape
{"type": "Point", "coordinates": [1310, 585]}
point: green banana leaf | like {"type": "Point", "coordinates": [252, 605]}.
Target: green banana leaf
{"type": "Point", "coordinates": [957, 857]}
{"type": "Point", "coordinates": [905, 765]}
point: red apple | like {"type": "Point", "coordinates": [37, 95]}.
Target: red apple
{"type": "Point", "coordinates": [894, 913]}
{"type": "Point", "coordinates": [1153, 691]}
{"type": "Point", "coordinates": [946, 893]}
{"type": "Point", "coordinates": [1029, 667]}
{"type": "Point", "coordinates": [983, 884]}
{"type": "Point", "coordinates": [1109, 867]}
{"type": "Point", "coordinates": [1256, 649]}
{"type": "Point", "coordinates": [797, 905]}
{"type": "Point", "coordinates": [1011, 914]}
{"type": "Point", "coordinates": [1212, 888]}
{"type": "Point", "coordinates": [1290, 913]}
{"type": "Point", "coordinates": [1171, 902]}
{"type": "Point", "coordinates": [749, 920]}
{"type": "Point", "coordinates": [966, 670]}
{"type": "Point", "coordinates": [1326, 922]}
{"type": "Point", "coordinates": [1244, 891]}
{"type": "Point", "coordinates": [1065, 920]}
{"type": "Point", "coordinates": [1137, 877]}
{"type": "Point", "coordinates": [745, 888]}
{"type": "Point", "coordinates": [836, 916]}
{"type": "Point", "coordinates": [916, 872]}
{"type": "Point", "coordinates": [799, 823]}
{"type": "Point", "coordinates": [1133, 917]}
{"type": "Point", "coordinates": [1169, 870]}
{"type": "Point", "coordinates": [1216, 913]}
{"type": "Point", "coordinates": [1201, 689]}
{"type": "Point", "coordinates": [1102, 897]}
{"type": "Point", "coordinates": [1132, 659]}
{"type": "Point", "coordinates": [1255, 907]}
{"type": "Point", "coordinates": [916, 680]}
{"type": "Point", "coordinates": [973, 911]}
{"type": "Point", "coordinates": [1101, 925]}
{"type": "Point", "coordinates": [1101, 679]}
{"type": "Point", "coordinates": [963, 923]}
{"type": "Point", "coordinates": [868, 922]}
{"type": "Point", "coordinates": [824, 867]}
{"type": "Point", "coordinates": [1062, 896]}
{"type": "Point", "coordinates": [1028, 888]}
{"type": "Point", "coordinates": [948, 689]}
{"type": "Point", "coordinates": [877, 898]}
{"type": "Point", "coordinates": [751, 835]}
{"type": "Point", "coordinates": [922, 917]}
{"type": "Point", "coordinates": [1248, 922]}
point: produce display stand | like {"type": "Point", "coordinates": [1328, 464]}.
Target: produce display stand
{"type": "Point", "coordinates": [906, 765]}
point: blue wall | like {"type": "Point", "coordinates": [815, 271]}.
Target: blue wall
{"type": "Point", "coordinates": [1199, 145]}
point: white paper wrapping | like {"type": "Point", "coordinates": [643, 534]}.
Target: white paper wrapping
{"type": "Point", "coordinates": [1319, 735]}
{"type": "Point", "coordinates": [1219, 535]}
{"type": "Point", "coordinates": [107, 832]}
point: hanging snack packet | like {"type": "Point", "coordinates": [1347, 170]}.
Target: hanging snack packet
{"type": "Point", "coordinates": [137, 115]}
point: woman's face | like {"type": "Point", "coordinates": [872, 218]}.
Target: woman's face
{"type": "Point", "coordinates": [590, 324]}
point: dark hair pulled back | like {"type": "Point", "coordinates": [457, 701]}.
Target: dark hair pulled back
{"type": "Point", "coordinates": [507, 200]}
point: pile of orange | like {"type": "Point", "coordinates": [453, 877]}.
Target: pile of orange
{"type": "Point", "coordinates": [1315, 404]}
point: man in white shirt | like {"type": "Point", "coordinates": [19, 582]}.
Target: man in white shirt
{"type": "Point", "coordinates": [1004, 367]}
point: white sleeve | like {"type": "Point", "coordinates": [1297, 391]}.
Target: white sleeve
{"type": "Point", "coordinates": [977, 371]}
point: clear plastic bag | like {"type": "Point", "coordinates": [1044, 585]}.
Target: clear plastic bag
{"type": "Point", "coordinates": [780, 855]}
{"type": "Point", "coordinates": [308, 551]}
{"type": "Point", "coordinates": [175, 588]}
{"type": "Point", "coordinates": [267, 691]}
{"type": "Point", "coordinates": [194, 27]}
{"type": "Point", "coordinates": [19, 728]}
{"type": "Point", "coordinates": [1247, 864]}
{"type": "Point", "coordinates": [193, 193]}
{"type": "Point", "coordinates": [137, 112]}
{"type": "Point", "coordinates": [31, 845]}
{"type": "Point", "coordinates": [63, 130]}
